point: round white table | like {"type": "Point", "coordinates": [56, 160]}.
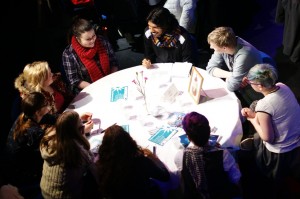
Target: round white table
{"type": "Point", "coordinates": [126, 106]}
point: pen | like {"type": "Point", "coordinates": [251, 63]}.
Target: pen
{"type": "Point", "coordinates": [154, 150]}
{"type": "Point", "coordinates": [107, 127]}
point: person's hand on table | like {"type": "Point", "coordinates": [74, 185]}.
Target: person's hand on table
{"type": "Point", "coordinates": [114, 69]}
{"type": "Point", "coordinates": [147, 63]}
{"type": "Point", "coordinates": [83, 84]}
{"type": "Point", "coordinates": [10, 192]}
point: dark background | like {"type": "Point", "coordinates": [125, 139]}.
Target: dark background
{"type": "Point", "coordinates": [31, 31]}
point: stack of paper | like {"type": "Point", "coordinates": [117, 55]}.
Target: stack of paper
{"type": "Point", "coordinates": [181, 69]}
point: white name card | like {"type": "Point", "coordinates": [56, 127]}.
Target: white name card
{"type": "Point", "coordinates": [170, 94]}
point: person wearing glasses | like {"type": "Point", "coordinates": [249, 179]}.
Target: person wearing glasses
{"type": "Point", "coordinates": [67, 159]}
{"type": "Point", "coordinates": [232, 59]}
{"type": "Point", "coordinates": [22, 156]}
{"type": "Point", "coordinates": [275, 118]}
{"type": "Point", "coordinates": [88, 57]}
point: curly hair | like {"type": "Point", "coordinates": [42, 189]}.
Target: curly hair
{"type": "Point", "coordinates": [32, 78]}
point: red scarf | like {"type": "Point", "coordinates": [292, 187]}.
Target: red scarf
{"type": "Point", "coordinates": [87, 55]}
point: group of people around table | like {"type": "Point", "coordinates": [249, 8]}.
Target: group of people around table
{"type": "Point", "coordinates": [48, 146]}
{"type": "Point", "coordinates": [252, 75]}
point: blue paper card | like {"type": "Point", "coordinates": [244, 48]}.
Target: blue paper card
{"type": "Point", "coordinates": [162, 135]}
{"type": "Point", "coordinates": [184, 140]}
{"type": "Point", "coordinates": [175, 119]}
{"type": "Point", "coordinates": [119, 93]}
{"type": "Point", "coordinates": [213, 140]}
{"type": "Point", "coordinates": [125, 127]}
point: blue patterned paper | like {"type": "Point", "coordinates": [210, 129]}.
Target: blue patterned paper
{"type": "Point", "coordinates": [163, 135]}
{"type": "Point", "coordinates": [119, 93]}
{"type": "Point", "coordinates": [125, 127]}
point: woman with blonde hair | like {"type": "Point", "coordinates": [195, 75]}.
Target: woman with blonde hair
{"type": "Point", "coordinates": [37, 76]}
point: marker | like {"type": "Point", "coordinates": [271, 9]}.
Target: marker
{"type": "Point", "coordinates": [154, 150]}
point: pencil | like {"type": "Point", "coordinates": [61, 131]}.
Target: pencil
{"type": "Point", "coordinates": [107, 127]}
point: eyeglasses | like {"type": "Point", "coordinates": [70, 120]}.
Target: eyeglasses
{"type": "Point", "coordinates": [253, 83]}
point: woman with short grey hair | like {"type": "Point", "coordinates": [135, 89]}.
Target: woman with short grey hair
{"type": "Point", "coordinates": [276, 121]}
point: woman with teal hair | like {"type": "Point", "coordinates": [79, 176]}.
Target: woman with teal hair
{"type": "Point", "coordinates": [276, 121]}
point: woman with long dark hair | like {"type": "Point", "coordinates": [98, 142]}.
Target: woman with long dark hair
{"type": "Point", "coordinates": [23, 160]}
{"type": "Point", "coordinates": [125, 170]}
{"type": "Point", "coordinates": [67, 158]}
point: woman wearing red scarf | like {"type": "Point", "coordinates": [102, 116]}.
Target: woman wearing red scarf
{"type": "Point", "coordinates": [89, 56]}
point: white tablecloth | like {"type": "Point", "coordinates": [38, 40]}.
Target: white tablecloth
{"type": "Point", "coordinates": [221, 107]}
